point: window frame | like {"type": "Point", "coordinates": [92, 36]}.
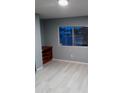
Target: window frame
{"type": "Point", "coordinates": [59, 44]}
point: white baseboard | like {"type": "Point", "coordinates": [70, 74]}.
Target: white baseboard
{"type": "Point", "coordinates": [40, 68]}
{"type": "Point", "coordinates": [70, 61]}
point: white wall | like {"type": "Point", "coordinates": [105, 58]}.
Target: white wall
{"type": "Point", "coordinates": [38, 49]}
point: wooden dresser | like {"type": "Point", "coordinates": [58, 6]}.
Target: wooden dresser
{"type": "Point", "coordinates": [46, 54]}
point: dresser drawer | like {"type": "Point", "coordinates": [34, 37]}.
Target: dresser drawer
{"type": "Point", "coordinates": [46, 54]}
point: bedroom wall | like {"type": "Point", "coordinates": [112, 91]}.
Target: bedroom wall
{"type": "Point", "coordinates": [42, 32]}
{"type": "Point", "coordinates": [73, 53]}
{"type": "Point", "coordinates": [38, 55]}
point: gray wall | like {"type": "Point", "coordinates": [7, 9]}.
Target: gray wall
{"type": "Point", "coordinates": [65, 52]}
{"type": "Point", "coordinates": [42, 32]}
{"type": "Point", "coordinates": [38, 55]}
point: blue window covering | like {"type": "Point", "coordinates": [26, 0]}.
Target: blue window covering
{"type": "Point", "coordinates": [73, 36]}
{"type": "Point", "coordinates": [66, 35]}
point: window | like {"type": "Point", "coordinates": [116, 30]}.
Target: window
{"type": "Point", "coordinates": [73, 36]}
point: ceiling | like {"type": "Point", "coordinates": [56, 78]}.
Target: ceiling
{"type": "Point", "coordinates": [51, 9]}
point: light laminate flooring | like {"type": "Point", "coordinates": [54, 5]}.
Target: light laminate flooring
{"type": "Point", "coordinates": [62, 77]}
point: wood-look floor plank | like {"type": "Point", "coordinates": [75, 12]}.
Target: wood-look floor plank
{"type": "Point", "coordinates": [62, 77]}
